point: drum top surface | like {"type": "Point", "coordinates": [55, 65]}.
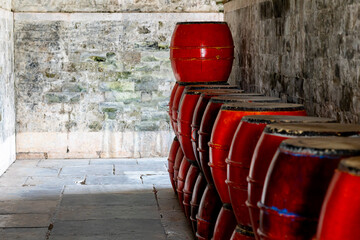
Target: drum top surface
{"type": "Point", "coordinates": [313, 129]}
{"type": "Point", "coordinates": [185, 23]}
{"type": "Point", "coordinates": [262, 106]}
{"type": "Point", "coordinates": [212, 91]}
{"type": "Point", "coordinates": [243, 98]}
{"type": "Point", "coordinates": [268, 119]}
{"type": "Point", "coordinates": [326, 146]}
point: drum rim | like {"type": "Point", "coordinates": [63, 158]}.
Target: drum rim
{"type": "Point", "coordinates": [274, 129]}
{"type": "Point", "coordinates": [257, 107]}
{"type": "Point", "coordinates": [201, 22]}
{"type": "Point", "coordinates": [347, 166]}
{"type": "Point", "coordinates": [290, 119]}
{"type": "Point", "coordinates": [201, 83]}
{"type": "Point", "coordinates": [288, 147]}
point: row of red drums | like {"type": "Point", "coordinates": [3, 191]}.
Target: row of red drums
{"type": "Point", "coordinates": [246, 166]}
{"type": "Point", "coordinates": [224, 160]}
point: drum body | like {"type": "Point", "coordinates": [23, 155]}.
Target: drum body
{"type": "Point", "coordinates": [184, 168]}
{"type": "Point", "coordinates": [171, 160]}
{"type": "Point", "coordinates": [178, 159]}
{"type": "Point", "coordinates": [223, 131]}
{"type": "Point", "coordinates": [199, 112]}
{"type": "Point", "coordinates": [172, 96]}
{"type": "Point", "coordinates": [238, 165]}
{"type": "Point", "coordinates": [296, 184]}
{"type": "Point", "coordinates": [190, 181]}
{"type": "Point", "coordinates": [207, 122]}
{"type": "Point", "coordinates": [267, 145]}
{"type": "Point", "coordinates": [239, 160]}
{"type": "Point", "coordinates": [175, 106]}
{"type": "Point", "coordinates": [209, 208]}
{"type": "Point", "coordinates": [225, 224]}
{"type": "Point", "coordinates": [339, 218]}
{"type": "Point", "coordinates": [202, 52]}
{"type": "Point", "coordinates": [199, 189]}
{"type": "Point", "coordinates": [186, 111]}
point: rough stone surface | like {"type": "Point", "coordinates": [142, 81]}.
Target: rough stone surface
{"type": "Point", "coordinates": [7, 92]}
{"type": "Point", "coordinates": [302, 51]}
{"type": "Point", "coordinates": [117, 6]}
{"type": "Point", "coordinates": [5, 4]}
{"type": "Point", "coordinates": [94, 85]}
{"type": "Point", "coordinates": [56, 207]}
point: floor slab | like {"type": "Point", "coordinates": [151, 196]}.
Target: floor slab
{"type": "Point", "coordinates": [90, 199]}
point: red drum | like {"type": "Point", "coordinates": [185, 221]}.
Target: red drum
{"type": "Point", "coordinates": [238, 162]}
{"type": "Point", "coordinates": [209, 208]}
{"type": "Point", "coordinates": [339, 218]}
{"type": "Point", "coordinates": [296, 184]}
{"type": "Point", "coordinates": [171, 160]}
{"type": "Point", "coordinates": [172, 96]}
{"type": "Point", "coordinates": [177, 97]}
{"type": "Point", "coordinates": [186, 109]}
{"type": "Point", "coordinates": [178, 159]}
{"type": "Point", "coordinates": [269, 142]}
{"type": "Point", "coordinates": [190, 180]}
{"type": "Point", "coordinates": [223, 131]}
{"type": "Point", "coordinates": [184, 168]}
{"type": "Point", "coordinates": [200, 109]}
{"type": "Point", "coordinates": [199, 189]}
{"type": "Point", "coordinates": [207, 122]}
{"type": "Point", "coordinates": [225, 223]}
{"type": "Point", "coordinates": [202, 52]}
{"type": "Point", "coordinates": [242, 233]}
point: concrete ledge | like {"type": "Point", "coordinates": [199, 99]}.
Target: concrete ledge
{"type": "Point", "coordinates": [54, 145]}
{"type": "Point", "coordinates": [238, 4]}
{"type": "Point", "coordinates": [118, 16]}
{"type": "Point", "coordinates": [7, 150]}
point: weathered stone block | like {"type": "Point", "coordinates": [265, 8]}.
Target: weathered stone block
{"type": "Point", "coordinates": [120, 86]}
{"type": "Point", "coordinates": [62, 97]}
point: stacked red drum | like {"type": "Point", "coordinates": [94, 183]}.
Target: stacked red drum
{"type": "Point", "coordinates": [339, 218]}
{"type": "Point", "coordinates": [239, 159]}
{"type": "Point", "coordinates": [268, 144]}
{"type": "Point", "coordinates": [202, 52]}
{"type": "Point", "coordinates": [247, 166]}
{"type": "Point", "coordinates": [296, 184]}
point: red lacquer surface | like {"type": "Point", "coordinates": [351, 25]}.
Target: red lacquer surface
{"type": "Point", "coordinates": [293, 193]}
{"type": "Point", "coordinates": [184, 167]}
{"type": "Point", "coordinates": [190, 180]}
{"type": "Point", "coordinates": [225, 224]}
{"type": "Point", "coordinates": [221, 137]}
{"type": "Point", "coordinates": [175, 106]}
{"type": "Point", "coordinates": [340, 214]}
{"type": "Point", "coordinates": [199, 189]}
{"type": "Point", "coordinates": [186, 111]}
{"type": "Point", "coordinates": [202, 52]}
{"type": "Point", "coordinates": [263, 154]}
{"type": "Point", "coordinates": [209, 208]}
{"type": "Point", "coordinates": [178, 159]}
{"type": "Point", "coordinates": [171, 160]}
{"type": "Point", "coordinates": [172, 96]}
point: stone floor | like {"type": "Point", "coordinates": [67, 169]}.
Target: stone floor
{"type": "Point", "coordinates": [90, 199]}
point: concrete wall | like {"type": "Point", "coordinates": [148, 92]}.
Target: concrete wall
{"type": "Point", "coordinates": [303, 51]}
{"type": "Point", "coordinates": [96, 84]}
{"type": "Point", "coordinates": [7, 102]}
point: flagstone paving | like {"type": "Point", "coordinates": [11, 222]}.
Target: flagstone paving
{"type": "Point", "coordinates": [93, 199]}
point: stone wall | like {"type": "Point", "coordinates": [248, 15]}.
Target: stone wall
{"type": "Point", "coordinates": [303, 51]}
{"type": "Point", "coordinates": [95, 84]}
{"type": "Point", "coordinates": [7, 102]}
